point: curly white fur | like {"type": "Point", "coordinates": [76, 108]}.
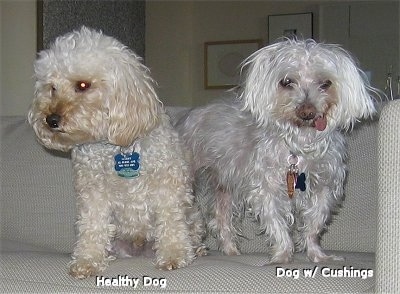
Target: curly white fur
{"type": "Point", "coordinates": [93, 96]}
{"type": "Point", "coordinates": [296, 98]}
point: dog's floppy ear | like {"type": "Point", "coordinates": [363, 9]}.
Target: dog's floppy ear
{"type": "Point", "coordinates": [133, 106]}
{"type": "Point", "coordinates": [354, 90]}
{"type": "Point", "coordinates": [258, 83]}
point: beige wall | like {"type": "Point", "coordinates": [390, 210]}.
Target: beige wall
{"type": "Point", "coordinates": [175, 34]}
{"type": "Point", "coordinates": [18, 50]}
{"type": "Point", "coordinates": [370, 30]}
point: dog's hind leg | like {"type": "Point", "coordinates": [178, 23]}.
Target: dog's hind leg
{"type": "Point", "coordinates": [196, 230]}
{"type": "Point", "coordinates": [217, 206]}
{"type": "Point", "coordinates": [223, 218]}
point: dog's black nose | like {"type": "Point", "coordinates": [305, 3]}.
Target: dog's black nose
{"type": "Point", "coordinates": [53, 120]}
{"type": "Point", "coordinates": [306, 111]}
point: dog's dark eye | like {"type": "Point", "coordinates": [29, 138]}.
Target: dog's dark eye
{"type": "Point", "coordinates": [325, 85]}
{"type": "Point", "coordinates": [286, 83]}
{"type": "Point", "coordinates": [82, 86]}
{"type": "Point", "coordinates": [53, 90]}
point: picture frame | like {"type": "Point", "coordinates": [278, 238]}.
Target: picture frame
{"type": "Point", "coordinates": [222, 61]}
{"type": "Point", "coordinates": [299, 25]}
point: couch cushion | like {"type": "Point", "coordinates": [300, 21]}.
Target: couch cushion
{"type": "Point", "coordinates": [45, 272]}
{"type": "Point", "coordinates": [37, 199]}
{"type": "Point", "coordinates": [354, 227]}
{"type": "Point", "coordinates": [388, 245]}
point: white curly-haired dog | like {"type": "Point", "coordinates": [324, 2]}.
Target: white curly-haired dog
{"type": "Point", "coordinates": [94, 96]}
{"type": "Point", "coordinates": [276, 151]}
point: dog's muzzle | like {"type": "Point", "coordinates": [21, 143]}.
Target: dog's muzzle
{"type": "Point", "coordinates": [306, 111]}
{"type": "Point", "coordinates": [53, 120]}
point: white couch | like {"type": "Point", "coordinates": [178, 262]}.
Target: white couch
{"type": "Point", "coordinates": [38, 215]}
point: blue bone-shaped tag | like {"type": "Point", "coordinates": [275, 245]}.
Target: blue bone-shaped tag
{"type": "Point", "coordinates": [301, 182]}
{"type": "Point", "coordinates": [127, 165]}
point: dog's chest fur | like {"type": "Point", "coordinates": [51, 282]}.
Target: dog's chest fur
{"type": "Point", "coordinates": [128, 198]}
{"type": "Point", "coordinates": [99, 159]}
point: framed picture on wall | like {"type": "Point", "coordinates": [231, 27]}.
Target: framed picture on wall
{"type": "Point", "coordinates": [298, 25]}
{"type": "Point", "coordinates": [222, 61]}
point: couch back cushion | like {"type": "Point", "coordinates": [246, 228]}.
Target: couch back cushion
{"type": "Point", "coordinates": [354, 228]}
{"type": "Point", "coordinates": [38, 202]}
{"type": "Point", "coordinates": [37, 199]}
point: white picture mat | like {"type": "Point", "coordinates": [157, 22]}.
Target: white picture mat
{"type": "Point", "coordinates": [223, 62]}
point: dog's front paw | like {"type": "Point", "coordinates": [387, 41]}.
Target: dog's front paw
{"type": "Point", "coordinates": [228, 247]}
{"type": "Point", "coordinates": [169, 265]}
{"type": "Point", "coordinates": [281, 257]}
{"type": "Point", "coordinates": [231, 250]}
{"type": "Point", "coordinates": [174, 259]}
{"type": "Point", "coordinates": [83, 268]}
{"type": "Point", "coordinates": [202, 250]}
{"type": "Point", "coordinates": [319, 256]}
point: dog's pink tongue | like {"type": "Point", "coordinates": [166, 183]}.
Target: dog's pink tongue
{"type": "Point", "coordinates": [320, 123]}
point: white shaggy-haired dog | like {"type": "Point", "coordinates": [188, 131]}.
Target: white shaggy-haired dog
{"type": "Point", "coordinates": [94, 97]}
{"type": "Point", "coordinates": [276, 151]}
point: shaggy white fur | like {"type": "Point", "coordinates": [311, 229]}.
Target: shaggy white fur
{"type": "Point", "coordinates": [94, 97]}
{"type": "Point", "coordinates": [276, 152]}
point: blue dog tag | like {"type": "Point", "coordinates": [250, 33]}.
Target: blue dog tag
{"type": "Point", "coordinates": [127, 165]}
{"type": "Point", "coordinates": [301, 182]}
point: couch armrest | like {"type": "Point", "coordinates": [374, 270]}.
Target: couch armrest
{"type": "Point", "coordinates": [388, 237]}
